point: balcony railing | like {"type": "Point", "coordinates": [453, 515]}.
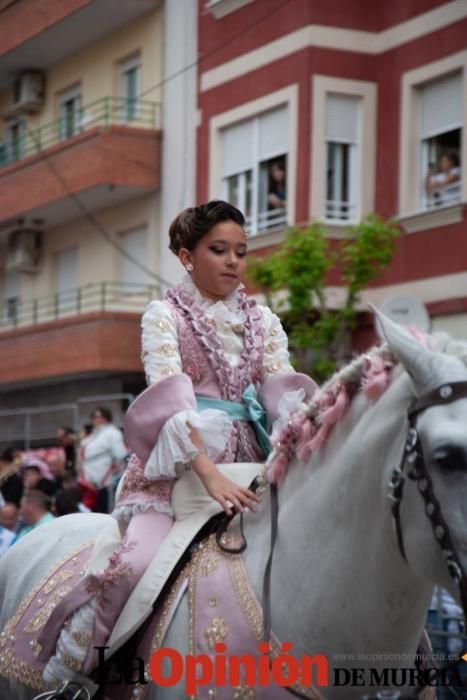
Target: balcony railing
{"type": "Point", "coordinates": [337, 210]}
{"type": "Point", "coordinates": [444, 197]}
{"type": "Point", "coordinates": [102, 296]}
{"type": "Point", "coordinates": [274, 218]}
{"type": "Point", "coordinates": [105, 112]}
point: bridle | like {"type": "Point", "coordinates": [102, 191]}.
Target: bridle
{"type": "Point", "coordinates": [414, 461]}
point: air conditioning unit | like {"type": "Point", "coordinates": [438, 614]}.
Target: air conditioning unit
{"type": "Point", "coordinates": [29, 93]}
{"type": "Point", "coordinates": [23, 251]}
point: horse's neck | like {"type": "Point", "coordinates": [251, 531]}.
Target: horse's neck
{"type": "Point", "coordinates": [336, 560]}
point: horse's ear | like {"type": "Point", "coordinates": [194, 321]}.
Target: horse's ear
{"type": "Point", "coordinates": [416, 358]}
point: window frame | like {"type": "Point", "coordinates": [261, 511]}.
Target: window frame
{"type": "Point", "coordinates": [134, 63]}
{"type": "Point", "coordinates": [410, 205]}
{"type": "Point", "coordinates": [286, 97]}
{"type": "Point", "coordinates": [366, 92]}
{"type": "Point", "coordinates": [72, 94]}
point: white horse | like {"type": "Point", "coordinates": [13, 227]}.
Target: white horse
{"type": "Point", "coordinates": [340, 586]}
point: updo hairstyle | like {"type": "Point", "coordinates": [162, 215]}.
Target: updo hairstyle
{"type": "Point", "coordinates": [192, 224]}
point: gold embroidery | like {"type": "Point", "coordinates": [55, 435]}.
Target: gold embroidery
{"type": "Point", "coordinates": [216, 631]}
{"type": "Point", "coordinates": [60, 577]}
{"type": "Point", "coordinates": [16, 670]}
{"type": "Point", "coordinates": [212, 602]}
{"type": "Point", "coordinates": [274, 331]}
{"type": "Point", "coordinates": [163, 624]}
{"type": "Point", "coordinates": [209, 563]}
{"type": "Point", "coordinates": [36, 647]}
{"type": "Point", "coordinates": [242, 692]}
{"type": "Point", "coordinates": [274, 367]}
{"type": "Point", "coordinates": [72, 662]}
{"type": "Point", "coordinates": [253, 612]}
{"type": "Point", "coordinates": [167, 349]}
{"type": "Point", "coordinates": [82, 637]}
{"type": "Point", "coordinates": [167, 370]}
{"type": "Point", "coordinates": [13, 622]}
{"type": "Point", "coordinates": [37, 622]}
{"type": "Point", "coordinates": [163, 325]}
{"type": "Point", "coordinates": [272, 347]}
{"type": "Point", "coordinates": [10, 666]}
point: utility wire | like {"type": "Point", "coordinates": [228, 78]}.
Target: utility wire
{"type": "Point", "coordinates": [75, 198]}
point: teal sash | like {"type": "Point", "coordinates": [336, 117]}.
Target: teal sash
{"type": "Point", "coordinates": [249, 410]}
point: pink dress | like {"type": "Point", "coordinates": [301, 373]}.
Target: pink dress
{"type": "Point", "coordinates": [191, 347]}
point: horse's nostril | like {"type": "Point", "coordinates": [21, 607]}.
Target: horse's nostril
{"type": "Point", "coordinates": [451, 458]}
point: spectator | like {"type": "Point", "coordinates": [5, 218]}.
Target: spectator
{"type": "Point", "coordinates": [103, 453]}
{"type": "Point", "coordinates": [277, 197]}
{"type": "Point", "coordinates": [9, 516]}
{"type": "Point", "coordinates": [34, 511]}
{"type": "Point", "coordinates": [36, 475]}
{"type": "Point", "coordinates": [58, 469]}
{"type": "Point", "coordinates": [67, 501]}
{"type": "Point", "coordinates": [66, 437]}
{"type": "Point", "coordinates": [6, 539]}
{"type": "Point", "coordinates": [439, 182]}
{"type": "Point", "coordinates": [84, 436]}
{"type": "Point", "coordinates": [11, 484]}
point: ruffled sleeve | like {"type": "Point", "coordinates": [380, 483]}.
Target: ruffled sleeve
{"type": "Point", "coordinates": [160, 354]}
{"type": "Point", "coordinates": [159, 421]}
{"type": "Point", "coordinates": [276, 354]}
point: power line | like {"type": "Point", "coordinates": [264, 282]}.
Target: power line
{"type": "Point", "coordinates": [75, 198]}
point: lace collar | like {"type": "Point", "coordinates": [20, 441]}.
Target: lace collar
{"type": "Point", "coordinates": [228, 310]}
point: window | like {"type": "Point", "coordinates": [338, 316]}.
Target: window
{"type": "Point", "coordinates": [130, 88]}
{"type": "Point", "coordinates": [254, 169]}
{"type": "Point", "coordinates": [342, 157]}
{"type": "Point", "coordinates": [135, 245]}
{"type": "Point", "coordinates": [440, 141]}
{"type": "Point", "coordinates": [14, 140]}
{"type": "Point", "coordinates": [11, 298]}
{"type": "Point", "coordinates": [66, 276]}
{"type": "Point", "coordinates": [70, 112]}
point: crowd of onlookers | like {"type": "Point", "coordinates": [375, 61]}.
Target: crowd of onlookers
{"type": "Point", "coordinates": [79, 473]}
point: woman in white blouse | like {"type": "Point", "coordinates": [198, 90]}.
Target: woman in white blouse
{"type": "Point", "coordinates": [217, 364]}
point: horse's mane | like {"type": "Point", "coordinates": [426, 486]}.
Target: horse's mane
{"type": "Point", "coordinates": [370, 373]}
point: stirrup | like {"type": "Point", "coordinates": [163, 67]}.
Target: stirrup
{"type": "Point", "coordinates": [68, 690]}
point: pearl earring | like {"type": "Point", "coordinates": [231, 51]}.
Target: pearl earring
{"type": "Point", "coordinates": [189, 267]}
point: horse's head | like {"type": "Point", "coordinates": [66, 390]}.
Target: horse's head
{"type": "Point", "coordinates": [433, 509]}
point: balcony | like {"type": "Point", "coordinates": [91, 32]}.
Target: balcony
{"type": "Point", "coordinates": [109, 152]}
{"type": "Point", "coordinates": [41, 33]}
{"type": "Point", "coordinates": [90, 329]}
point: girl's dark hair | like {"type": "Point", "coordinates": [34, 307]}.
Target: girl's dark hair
{"type": "Point", "coordinates": [105, 412]}
{"type": "Point", "coordinates": [192, 224]}
{"type": "Point", "coordinates": [66, 501]}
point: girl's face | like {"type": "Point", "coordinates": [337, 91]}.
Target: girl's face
{"type": "Point", "coordinates": [31, 478]}
{"type": "Point", "coordinates": [219, 260]}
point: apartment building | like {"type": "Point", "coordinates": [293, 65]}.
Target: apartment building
{"type": "Point", "coordinates": [318, 111]}
{"type": "Point", "coordinates": [80, 161]}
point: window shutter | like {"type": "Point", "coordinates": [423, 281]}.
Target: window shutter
{"type": "Point", "coordinates": [441, 106]}
{"type": "Point", "coordinates": [342, 118]}
{"type": "Point", "coordinates": [273, 134]}
{"type": "Point", "coordinates": [67, 270]}
{"type": "Point", "coordinates": [238, 151]}
{"type": "Point", "coordinates": [134, 244]}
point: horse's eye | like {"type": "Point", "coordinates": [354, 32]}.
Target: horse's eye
{"type": "Point", "coordinates": [450, 458]}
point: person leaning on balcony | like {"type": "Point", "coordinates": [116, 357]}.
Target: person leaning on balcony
{"type": "Point", "coordinates": [448, 172]}
{"type": "Point", "coordinates": [277, 188]}
{"type": "Point", "coordinates": [102, 455]}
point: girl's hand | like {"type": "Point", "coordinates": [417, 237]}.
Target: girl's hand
{"type": "Point", "coordinates": [223, 490]}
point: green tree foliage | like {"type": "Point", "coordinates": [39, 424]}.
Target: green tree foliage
{"type": "Point", "coordinates": [293, 280]}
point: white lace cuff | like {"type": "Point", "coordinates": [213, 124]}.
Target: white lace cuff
{"type": "Point", "coordinates": [174, 445]}
{"type": "Point", "coordinates": [290, 403]}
